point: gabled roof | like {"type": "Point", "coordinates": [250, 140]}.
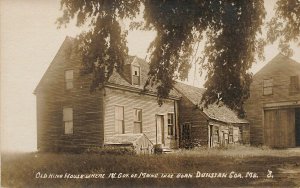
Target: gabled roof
{"type": "Point", "coordinates": [213, 111]}
{"type": "Point", "coordinates": [66, 43]}
{"type": "Point", "coordinates": [120, 79]}
{"type": "Point", "coordinates": [117, 79]}
{"type": "Point", "coordinates": [278, 63]}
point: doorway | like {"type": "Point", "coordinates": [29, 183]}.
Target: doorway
{"type": "Point", "coordinates": [186, 132]}
{"type": "Point", "coordinates": [297, 126]}
{"type": "Point", "coordinates": [160, 139]}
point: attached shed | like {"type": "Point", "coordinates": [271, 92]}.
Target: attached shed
{"type": "Point", "coordinates": [213, 126]}
{"type": "Point", "coordinates": [138, 142]}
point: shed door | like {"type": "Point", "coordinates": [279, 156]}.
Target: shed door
{"type": "Point", "coordinates": [160, 129]}
{"type": "Point", "coordinates": [279, 127]}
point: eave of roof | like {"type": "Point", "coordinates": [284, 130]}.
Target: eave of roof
{"type": "Point", "coordinates": [116, 80]}
{"type": "Point", "coordinates": [138, 90]}
{"type": "Point", "coordinates": [214, 111]}
{"type": "Point", "coordinates": [66, 42]}
{"type": "Point", "coordinates": [279, 58]}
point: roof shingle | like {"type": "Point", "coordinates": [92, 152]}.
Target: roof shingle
{"type": "Point", "coordinates": [213, 111]}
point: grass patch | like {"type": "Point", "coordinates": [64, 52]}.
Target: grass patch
{"type": "Point", "coordinates": [20, 169]}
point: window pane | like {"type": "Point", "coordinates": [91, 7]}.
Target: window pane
{"type": "Point", "coordinates": [69, 74]}
{"type": "Point", "coordinates": [136, 80]}
{"type": "Point", "coordinates": [69, 127]}
{"type": "Point", "coordinates": [69, 79]}
{"type": "Point", "coordinates": [170, 129]}
{"type": "Point", "coordinates": [268, 91]}
{"type": "Point", "coordinates": [137, 115]}
{"type": "Point", "coordinates": [294, 83]}
{"type": "Point", "coordinates": [119, 126]}
{"type": "Point", "coordinates": [137, 127]}
{"type": "Point", "coordinates": [119, 112]}
{"type": "Point", "coordinates": [69, 84]}
{"type": "Point", "coordinates": [119, 119]}
{"type": "Point", "coordinates": [170, 118]}
{"type": "Point", "coordinates": [67, 114]}
{"type": "Point", "coordinates": [268, 83]}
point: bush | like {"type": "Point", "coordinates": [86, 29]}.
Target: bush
{"type": "Point", "coordinates": [191, 143]}
{"type": "Point", "coordinates": [158, 149]}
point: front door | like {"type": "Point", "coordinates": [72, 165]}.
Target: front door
{"type": "Point", "coordinates": [160, 139]}
{"type": "Point", "coordinates": [297, 126]}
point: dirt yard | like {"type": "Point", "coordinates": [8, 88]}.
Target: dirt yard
{"type": "Point", "coordinates": [233, 167]}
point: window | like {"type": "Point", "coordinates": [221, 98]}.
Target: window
{"type": "Point", "coordinates": [135, 75]}
{"type": "Point", "coordinates": [68, 120]}
{"type": "Point", "coordinates": [294, 84]}
{"type": "Point", "coordinates": [170, 123]}
{"type": "Point", "coordinates": [268, 87]}
{"type": "Point", "coordinates": [216, 134]}
{"type": "Point", "coordinates": [119, 119]}
{"type": "Point", "coordinates": [137, 121]}
{"type": "Point", "coordinates": [230, 134]}
{"type": "Point", "coordinates": [241, 135]}
{"type": "Point", "coordinates": [69, 79]}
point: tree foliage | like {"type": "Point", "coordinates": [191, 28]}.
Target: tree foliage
{"type": "Point", "coordinates": [285, 25]}
{"type": "Point", "coordinates": [231, 28]}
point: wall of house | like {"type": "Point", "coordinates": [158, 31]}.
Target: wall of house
{"type": "Point", "coordinates": [130, 100]}
{"type": "Point", "coordinates": [224, 134]}
{"type": "Point", "coordinates": [244, 134]}
{"type": "Point", "coordinates": [52, 97]}
{"type": "Point", "coordinates": [199, 123]}
{"type": "Point", "coordinates": [279, 70]}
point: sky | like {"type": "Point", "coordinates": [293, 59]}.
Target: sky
{"type": "Point", "coordinates": [29, 40]}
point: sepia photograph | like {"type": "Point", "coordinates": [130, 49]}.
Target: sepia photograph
{"type": "Point", "coordinates": [150, 93]}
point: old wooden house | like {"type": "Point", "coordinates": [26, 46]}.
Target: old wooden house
{"type": "Point", "coordinates": [209, 127]}
{"type": "Point", "coordinates": [273, 108]}
{"type": "Point", "coordinates": [69, 117]}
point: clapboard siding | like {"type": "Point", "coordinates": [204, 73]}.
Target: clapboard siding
{"type": "Point", "coordinates": [200, 123]}
{"type": "Point", "coordinates": [130, 100]}
{"type": "Point", "coordinates": [280, 69]}
{"type": "Point", "coordinates": [52, 97]}
{"type": "Point", "coordinates": [189, 113]}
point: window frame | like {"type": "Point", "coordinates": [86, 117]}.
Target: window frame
{"type": "Point", "coordinates": [135, 121]}
{"type": "Point", "coordinates": [171, 124]}
{"type": "Point", "coordinates": [216, 134]}
{"type": "Point", "coordinates": [267, 86]}
{"type": "Point", "coordinates": [68, 121]}
{"type": "Point", "coordinates": [70, 80]}
{"type": "Point", "coordinates": [123, 120]}
{"type": "Point", "coordinates": [294, 87]}
{"type": "Point", "coordinates": [137, 76]}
